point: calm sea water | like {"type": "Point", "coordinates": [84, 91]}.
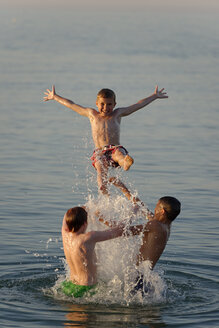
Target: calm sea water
{"type": "Point", "coordinates": [45, 169]}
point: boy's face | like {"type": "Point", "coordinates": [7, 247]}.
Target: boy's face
{"type": "Point", "coordinates": [158, 211]}
{"type": "Point", "coordinates": [105, 105]}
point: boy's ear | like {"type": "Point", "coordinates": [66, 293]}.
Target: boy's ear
{"type": "Point", "coordinates": [164, 212]}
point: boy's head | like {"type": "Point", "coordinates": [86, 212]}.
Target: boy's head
{"type": "Point", "coordinates": [106, 101]}
{"type": "Point", "coordinates": [75, 218]}
{"type": "Point", "coordinates": [170, 205]}
{"type": "Point", "coordinates": [106, 93]}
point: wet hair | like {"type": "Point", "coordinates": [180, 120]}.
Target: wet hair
{"type": "Point", "coordinates": [75, 218]}
{"type": "Point", "coordinates": [171, 206]}
{"type": "Point", "coordinates": [106, 93]}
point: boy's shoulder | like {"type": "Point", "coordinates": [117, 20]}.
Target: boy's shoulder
{"type": "Point", "coordinates": [91, 110]}
{"type": "Point", "coordinates": [154, 224]}
{"type": "Point", "coordinates": [87, 236]}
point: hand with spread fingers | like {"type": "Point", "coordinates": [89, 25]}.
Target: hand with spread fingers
{"type": "Point", "coordinates": [160, 93]}
{"type": "Point", "coordinates": [49, 94]}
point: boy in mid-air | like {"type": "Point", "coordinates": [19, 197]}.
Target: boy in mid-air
{"type": "Point", "coordinates": [105, 125]}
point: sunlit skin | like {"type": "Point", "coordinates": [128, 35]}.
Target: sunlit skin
{"type": "Point", "coordinates": [105, 126]}
{"type": "Point", "coordinates": [155, 236]}
{"type": "Point", "coordinates": [79, 247]}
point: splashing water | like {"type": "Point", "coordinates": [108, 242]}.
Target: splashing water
{"type": "Point", "coordinates": [117, 258]}
{"type": "Point", "coordinates": [117, 271]}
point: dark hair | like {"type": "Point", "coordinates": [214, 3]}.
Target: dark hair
{"type": "Point", "coordinates": [75, 217]}
{"type": "Point", "coordinates": [171, 206]}
{"type": "Point", "coordinates": [107, 93]}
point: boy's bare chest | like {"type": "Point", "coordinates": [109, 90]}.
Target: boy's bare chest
{"type": "Point", "coordinates": [105, 123]}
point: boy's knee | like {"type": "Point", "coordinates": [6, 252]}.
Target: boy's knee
{"type": "Point", "coordinates": [128, 161]}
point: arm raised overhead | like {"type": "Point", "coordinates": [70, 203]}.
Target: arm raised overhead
{"type": "Point", "coordinates": [158, 94]}
{"type": "Point", "coordinates": [52, 95]}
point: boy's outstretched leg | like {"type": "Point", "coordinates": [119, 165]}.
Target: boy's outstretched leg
{"type": "Point", "coordinates": [138, 204]}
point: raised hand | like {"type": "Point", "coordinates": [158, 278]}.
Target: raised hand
{"type": "Point", "coordinates": [160, 93]}
{"type": "Point", "coordinates": [49, 94]}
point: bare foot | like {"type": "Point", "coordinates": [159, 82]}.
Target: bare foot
{"type": "Point", "coordinates": [128, 161]}
{"type": "Point", "coordinates": [104, 190]}
{"type": "Point", "coordinates": [114, 180]}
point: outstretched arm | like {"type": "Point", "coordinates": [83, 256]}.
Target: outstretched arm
{"type": "Point", "coordinates": [131, 230]}
{"type": "Point", "coordinates": [158, 94]}
{"type": "Point", "coordinates": [114, 232]}
{"type": "Point", "coordinates": [52, 95]}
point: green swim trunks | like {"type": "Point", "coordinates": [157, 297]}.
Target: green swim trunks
{"type": "Point", "coordinates": [71, 289]}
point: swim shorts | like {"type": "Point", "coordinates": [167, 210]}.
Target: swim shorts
{"type": "Point", "coordinates": [141, 286]}
{"type": "Point", "coordinates": [71, 289]}
{"type": "Point", "coordinates": [105, 153]}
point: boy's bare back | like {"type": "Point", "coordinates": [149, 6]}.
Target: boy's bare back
{"type": "Point", "coordinates": [81, 258]}
{"type": "Point", "coordinates": [79, 249]}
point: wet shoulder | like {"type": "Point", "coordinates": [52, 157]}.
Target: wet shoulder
{"type": "Point", "coordinates": [117, 112]}
{"type": "Point", "coordinates": [154, 225]}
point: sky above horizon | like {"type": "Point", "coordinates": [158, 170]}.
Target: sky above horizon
{"type": "Point", "coordinates": [114, 5]}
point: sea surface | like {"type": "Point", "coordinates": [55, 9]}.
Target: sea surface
{"type": "Point", "coordinates": [45, 167]}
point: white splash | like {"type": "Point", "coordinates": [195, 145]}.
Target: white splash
{"type": "Point", "coordinates": [117, 271]}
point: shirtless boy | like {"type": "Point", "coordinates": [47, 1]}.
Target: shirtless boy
{"type": "Point", "coordinates": [79, 249]}
{"type": "Point", "coordinates": [105, 126]}
{"type": "Point", "coordinates": [156, 232]}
